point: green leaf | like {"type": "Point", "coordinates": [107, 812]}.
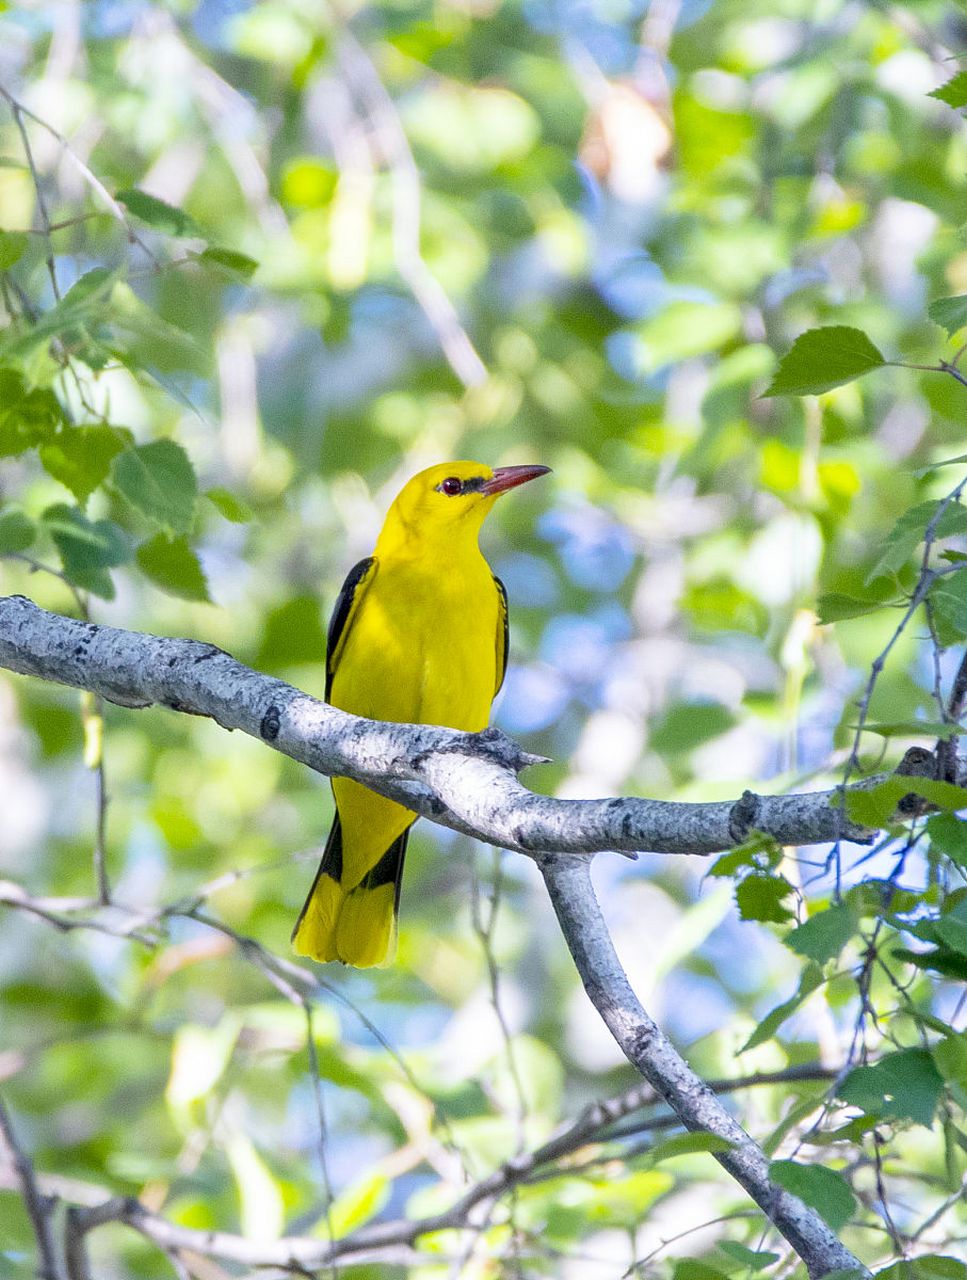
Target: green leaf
{"type": "Point", "coordinates": [230, 506]}
{"type": "Point", "coordinates": [823, 936]}
{"type": "Point", "coordinates": [929, 1266]}
{"type": "Point", "coordinates": [27, 418]}
{"type": "Point", "coordinates": [361, 1201]}
{"type": "Point", "coordinates": [911, 728]}
{"type": "Point", "coordinates": [812, 977]}
{"type": "Point", "coordinates": [160, 215]}
{"type": "Point", "coordinates": [261, 1206]}
{"type": "Point", "coordinates": [142, 340]}
{"type": "Point", "coordinates": [159, 481]}
{"type": "Point", "coordinates": [953, 91]}
{"type": "Point", "coordinates": [84, 303]}
{"type": "Point", "coordinates": [750, 1259]}
{"type": "Point", "coordinates": [951, 930]}
{"type": "Point", "coordinates": [940, 960]}
{"type": "Point", "coordinates": [17, 530]}
{"type": "Point", "coordinates": [910, 530]}
{"type": "Point", "coordinates": [902, 1086]}
{"type": "Point", "coordinates": [949, 599]}
{"type": "Point", "coordinates": [237, 265]}
{"type": "Point", "coordinates": [13, 246]}
{"type": "Point", "coordinates": [87, 548]}
{"type": "Point", "coordinates": [695, 1269]}
{"type": "Point", "coordinates": [949, 313]}
{"type": "Point", "coordinates": [759, 897]}
{"type": "Point", "coordinates": [821, 359]}
{"type": "Point", "coordinates": [835, 607]}
{"type": "Point", "coordinates": [171, 564]}
{"type": "Point", "coordinates": [877, 806]}
{"type": "Point", "coordinates": [688, 724]}
{"type": "Point", "coordinates": [948, 835]}
{"type": "Point", "coordinates": [92, 286]}
{"type": "Point", "coordinates": [293, 635]}
{"type": "Point", "coordinates": [686, 1144]}
{"type": "Point", "coordinates": [950, 1055]}
{"type": "Point", "coordinates": [683, 329]}
{"type": "Point", "coordinates": [80, 457]}
{"type": "Point", "coordinates": [821, 1188]}
{"type": "Point", "coordinates": [759, 851]}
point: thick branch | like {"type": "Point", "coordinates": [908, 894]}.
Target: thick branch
{"type": "Point", "coordinates": [464, 781]}
{"type": "Point", "coordinates": [568, 882]}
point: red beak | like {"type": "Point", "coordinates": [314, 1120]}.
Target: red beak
{"type": "Point", "coordinates": [505, 478]}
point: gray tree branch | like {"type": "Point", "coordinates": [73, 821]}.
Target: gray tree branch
{"type": "Point", "coordinates": [464, 781]}
{"type": "Point", "coordinates": [468, 782]}
{"type": "Point", "coordinates": [568, 881]}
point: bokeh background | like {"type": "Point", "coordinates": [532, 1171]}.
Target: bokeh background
{"type": "Point", "coordinates": [580, 234]}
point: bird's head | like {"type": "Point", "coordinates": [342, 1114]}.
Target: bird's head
{"type": "Point", "coordinates": [454, 496]}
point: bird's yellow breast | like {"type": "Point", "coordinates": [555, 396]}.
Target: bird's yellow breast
{"type": "Point", "coordinates": [422, 645]}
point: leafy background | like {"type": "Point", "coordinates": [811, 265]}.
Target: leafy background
{"type": "Point", "coordinates": [261, 261]}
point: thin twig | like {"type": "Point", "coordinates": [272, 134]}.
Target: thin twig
{"type": "Point", "coordinates": [40, 1207]}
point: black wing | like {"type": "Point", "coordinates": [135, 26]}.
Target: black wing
{"type": "Point", "coordinates": [503, 633]}
{"type": "Point", "coordinates": [341, 614]}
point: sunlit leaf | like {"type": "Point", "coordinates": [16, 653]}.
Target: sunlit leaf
{"type": "Point", "coordinates": [953, 91]}
{"type": "Point", "coordinates": [695, 1269]}
{"type": "Point", "coordinates": [821, 359]}
{"type": "Point", "coordinates": [360, 1202]}
{"type": "Point", "coordinates": [262, 1208]}
{"type": "Point", "coordinates": [199, 1056]}
{"type": "Point", "coordinates": [13, 245]}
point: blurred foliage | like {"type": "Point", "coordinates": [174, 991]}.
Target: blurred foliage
{"type": "Point", "coordinates": [261, 261]}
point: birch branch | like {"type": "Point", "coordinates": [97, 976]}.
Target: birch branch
{"type": "Point", "coordinates": [647, 1048]}
{"type": "Point", "coordinates": [464, 781]}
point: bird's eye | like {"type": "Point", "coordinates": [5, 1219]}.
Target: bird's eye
{"type": "Point", "coordinates": [452, 486]}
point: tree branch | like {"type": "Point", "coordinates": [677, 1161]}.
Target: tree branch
{"type": "Point", "coordinates": [91, 1207]}
{"type": "Point", "coordinates": [39, 1207]}
{"type": "Point", "coordinates": [568, 882]}
{"type": "Point", "coordinates": [467, 782]}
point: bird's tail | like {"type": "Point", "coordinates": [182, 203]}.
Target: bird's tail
{"type": "Point", "coordinates": [355, 925]}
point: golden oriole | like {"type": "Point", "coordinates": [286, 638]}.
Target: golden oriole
{"type": "Point", "coordinates": [418, 635]}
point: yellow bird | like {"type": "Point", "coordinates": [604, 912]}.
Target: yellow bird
{"type": "Point", "coordinates": [419, 636]}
